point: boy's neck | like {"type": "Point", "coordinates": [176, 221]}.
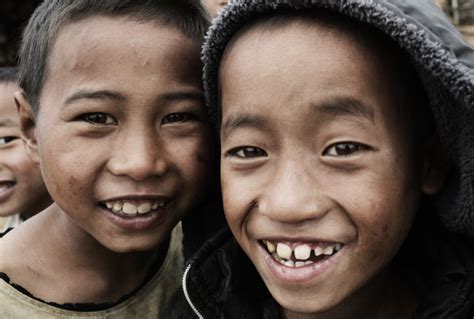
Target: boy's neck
{"type": "Point", "coordinates": [385, 297]}
{"type": "Point", "coordinates": [67, 260]}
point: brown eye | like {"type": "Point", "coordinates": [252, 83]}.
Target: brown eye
{"type": "Point", "coordinates": [7, 139]}
{"type": "Point", "coordinates": [176, 118]}
{"type": "Point", "coordinates": [344, 149]}
{"type": "Point", "coordinates": [99, 118]}
{"type": "Point", "coordinates": [247, 152]}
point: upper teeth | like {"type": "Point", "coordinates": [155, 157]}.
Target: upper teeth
{"type": "Point", "coordinates": [302, 252]}
{"type": "Point", "coordinates": [128, 208]}
{"type": "Point", "coordinates": [283, 250]}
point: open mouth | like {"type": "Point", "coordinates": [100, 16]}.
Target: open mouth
{"type": "Point", "coordinates": [134, 208]}
{"type": "Point", "coordinates": [4, 186]}
{"type": "Point", "coordinates": [296, 255]}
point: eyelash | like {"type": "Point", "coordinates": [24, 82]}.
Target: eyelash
{"type": "Point", "coordinates": [89, 118]}
{"type": "Point", "coordinates": [178, 118]}
{"type": "Point", "coordinates": [7, 139]}
{"type": "Point", "coordinates": [347, 148]}
{"type": "Point", "coordinates": [243, 155]}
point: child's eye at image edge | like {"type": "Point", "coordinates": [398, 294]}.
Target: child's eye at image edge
{"type": "Point", "coordinates": [7, 139]}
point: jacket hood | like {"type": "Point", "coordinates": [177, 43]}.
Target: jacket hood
{"type": "Point", "coordinates": [442, 59]}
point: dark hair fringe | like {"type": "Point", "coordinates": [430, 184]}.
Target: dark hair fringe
{"type": "Point", "coordinates": [188, 16]}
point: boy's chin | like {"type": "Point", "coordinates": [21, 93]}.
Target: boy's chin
{"type": "Point", "coordinates": [134, 244]}
{"type": "Point", "coordinates": [304, 303]}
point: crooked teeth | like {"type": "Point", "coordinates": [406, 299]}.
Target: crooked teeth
{"type": "Point", "coordinates": [270, 247]}
{"type": "Point", "coordinates": [302, 252]}
{"type": "Point", "coordinates": [318, 251]}
{"type": "Point", "coordinates": [328, 250]}
{"type": "Point", "coordinates": [283, 251]}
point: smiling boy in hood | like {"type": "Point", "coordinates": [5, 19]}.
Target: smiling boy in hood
{"type": "Point", "coordinates": [346, 163]}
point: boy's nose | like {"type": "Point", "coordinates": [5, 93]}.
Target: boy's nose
{"type": "Point", "coordinates": [137, 155]}
{"type": "Point", "coordinates": [293, 195]}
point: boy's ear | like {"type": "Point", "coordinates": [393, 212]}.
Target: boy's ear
{"type": "Point", "coordinates": [436, 168]}
{"type": "Point", "coordinates": [27, 125]}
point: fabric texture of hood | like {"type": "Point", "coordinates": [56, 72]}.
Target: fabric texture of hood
{"type": "Point", "coordinates": [442, 59]}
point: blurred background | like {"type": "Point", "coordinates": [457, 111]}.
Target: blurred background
{"type": "Point", "coordinates": [14, 14]}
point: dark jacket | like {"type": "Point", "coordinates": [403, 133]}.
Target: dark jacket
{"type": "Point", "coordinates": [221, 282]}
{"type": "Point", "coordinates": [437, 258]}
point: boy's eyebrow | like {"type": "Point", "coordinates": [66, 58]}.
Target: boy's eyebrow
{"type": "Point", "coordinates": [111, 95]}
{"type": "Point", "coordinates": [7, 123]}
{"type": "Point", "coordinates": [345, 106]}
{"type": "Point", "coordinates": [243, 121]}
{"type": "Point", "coordinates": [183, 95]}
{"type": "Point", "coordinates": [94, 95]}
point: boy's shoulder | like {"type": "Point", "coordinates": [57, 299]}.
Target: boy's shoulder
{"type": "Point", "coordinates": [13, 248]}
{"type": "Point", "coordinates": [148, 300]}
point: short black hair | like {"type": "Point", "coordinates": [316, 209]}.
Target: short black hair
{"type": "Point", "coordinates": [8, 75]}
{"type": "Point", "coordinates": [51, 16]}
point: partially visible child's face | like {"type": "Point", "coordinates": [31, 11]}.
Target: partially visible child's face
{"type": "Point", "coordinates": [21, 186]}
{"type": "Point", "coordinates": [214, 6]}
{"type": "Point", "coordinates": [316, 160]}
{"type": "Point", "coordinates": [121, 131]}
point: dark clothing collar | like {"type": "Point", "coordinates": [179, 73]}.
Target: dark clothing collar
{"type": "Point", "coordinates": [221, 282]}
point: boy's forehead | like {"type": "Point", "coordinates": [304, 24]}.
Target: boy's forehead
{"type": "Point", "coordinates": [100, 50]}
{"type": "Point", "coordinates": [323, 67]}
{"type": "Point", "coordinates": [100, 31]}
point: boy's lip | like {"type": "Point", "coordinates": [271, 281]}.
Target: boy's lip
{"type": "Point", "coordinates": [303, 275]}
{"type": "Point", "coordinates": [7, 188]}
{"type": "Point", "coordinates": [136, 212]}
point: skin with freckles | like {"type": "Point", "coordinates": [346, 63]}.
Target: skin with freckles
{"type": "Point", "coordinates": [313, 150]}
{"type": "Point", "coordinates": [121, 118]}
{"type": "Point", "coordinates": [22, 187]}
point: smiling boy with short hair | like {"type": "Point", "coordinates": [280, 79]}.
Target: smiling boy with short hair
{"type": "Point", "coordinates": [341, 144]}
{"type": "Point", "coordinates": [113, 112]}
{"type": "Point", "coordinates": [22, 190]}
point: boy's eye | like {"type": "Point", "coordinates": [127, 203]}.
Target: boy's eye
{"type": "Point", "coordinates": [344, 149]}
{"type": "Point", "coordinates": [247, 152]}
{"type": "Point", "coordinates": [99, 118]}
{"type": "Point", "coordinates": [7, 139]}
{"type": "Point", "coordinates": [177, 118]}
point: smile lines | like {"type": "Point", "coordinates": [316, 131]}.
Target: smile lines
{"type": "Point", "coordinates": [302, 254]}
